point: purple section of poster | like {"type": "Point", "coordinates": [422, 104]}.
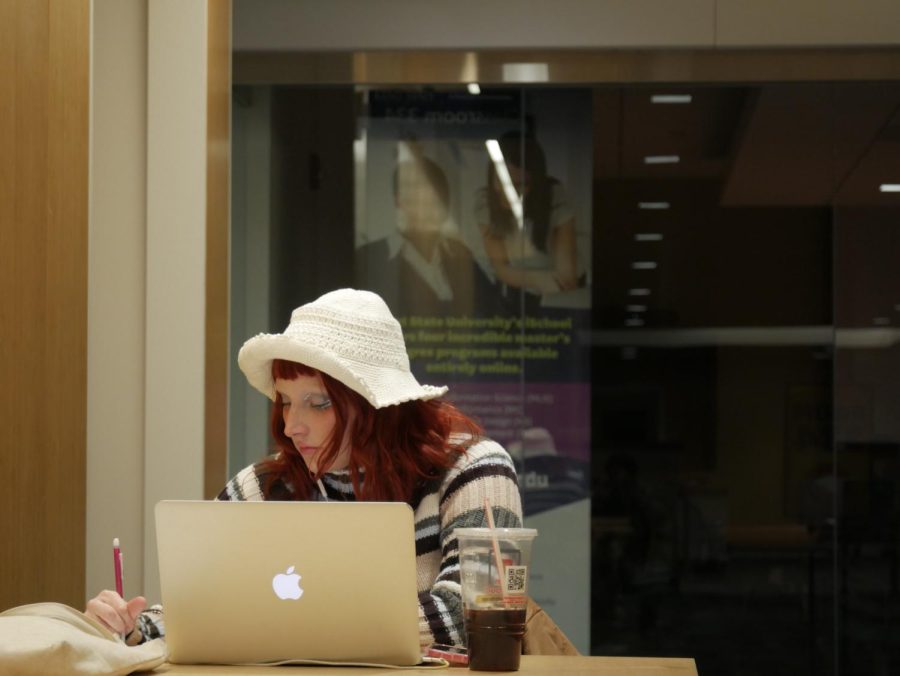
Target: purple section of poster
{"type": "Point", "coordinates": [509, 410]}
{"type": "Point", "coordinates": [546, 429]}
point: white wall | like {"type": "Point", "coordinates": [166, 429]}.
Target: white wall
{"type": "Point", "coordinates": [545, 24]}
{"type": "Point", "coordinates": [116, 292]}
{"type": "Point", "coordinates": [146, 288]}
{"type": "Point", "coordinates": [176, 260]}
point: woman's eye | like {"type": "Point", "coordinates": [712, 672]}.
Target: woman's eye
{"type": "Point", "coordinates": [310, 401]}
{"type": "Point", "coordinates": [317, 402]}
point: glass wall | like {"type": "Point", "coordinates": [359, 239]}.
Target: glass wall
{"type": "Point", "coordinates": [678, 308]}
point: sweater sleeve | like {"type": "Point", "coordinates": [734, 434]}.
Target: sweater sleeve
{"type": "Point", "coordinates": [246, 485]}
{"type": "Point", "coordinates": [148, 626]}
{"type": "Point", "coordinates": [485, 470]}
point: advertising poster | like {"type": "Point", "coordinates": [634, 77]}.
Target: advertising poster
{"type": "Point", "coordinates": [473, 221]}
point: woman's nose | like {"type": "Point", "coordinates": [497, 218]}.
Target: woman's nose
{"type": "Point", "coordinates": [293, 422]}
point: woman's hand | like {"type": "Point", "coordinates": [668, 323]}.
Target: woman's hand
{"type": "Point", "coordinates": [564, 255]}
{"type": "Point", "coordinates": [113, 612]}
{"type": "Point", "coordinates": [566, 281]}
{"type": "Point", "coordinates": [543, 281]}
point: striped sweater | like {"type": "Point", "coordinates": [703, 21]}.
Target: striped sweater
{"type": "Point", "coordinates": [454, 501]}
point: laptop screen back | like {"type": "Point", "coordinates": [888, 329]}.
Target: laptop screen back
{"type": "Point", "coordinates": [270, 581]}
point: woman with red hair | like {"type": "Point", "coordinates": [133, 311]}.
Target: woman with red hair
{"type": "Point", "coordinates": [351, 422]}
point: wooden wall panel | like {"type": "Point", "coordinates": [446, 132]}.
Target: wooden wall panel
{"type": "Point", "coordinates": [44, 87]}
{"type": "Point", "coordinates": [218, 173]}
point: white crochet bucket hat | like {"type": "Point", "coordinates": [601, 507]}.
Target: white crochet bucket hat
{"type": "Point", "coordinates": [349, 334]}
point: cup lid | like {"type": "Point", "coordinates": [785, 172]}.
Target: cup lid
{"type": "Point", "coordinates": [504, 533]}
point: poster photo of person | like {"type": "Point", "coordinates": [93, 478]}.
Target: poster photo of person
{"type": "Point", "coordinates": [528, 225]}
{"type": "Point", "coordinates": [473, 221]}
{"type": "Point", "coordinates": [509, 178]}
{"type": "Point", "coordinates": [421, 265]}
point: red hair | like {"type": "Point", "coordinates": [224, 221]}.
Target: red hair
{"type": "Point", "coordinates": [395, 449]}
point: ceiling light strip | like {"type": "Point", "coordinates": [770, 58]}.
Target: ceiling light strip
{"type": "Point", "coordinates": [662, 159]}
{"type": "Point", "coordinates": [512, 195]}
{"type": "Point", "coordinates": [671, 98]}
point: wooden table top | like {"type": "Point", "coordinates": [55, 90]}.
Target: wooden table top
{"type": "Point", "coordinates": [531, 664]}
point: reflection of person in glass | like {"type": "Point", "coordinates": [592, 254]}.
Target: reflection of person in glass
{"type": "Point", "coordinates": [422, 267]}
{"type": "Point", "coordinates": [538, 253]}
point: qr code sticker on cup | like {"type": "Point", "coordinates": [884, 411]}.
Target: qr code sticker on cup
{"type": "Point", "coordinates": [515, 579]}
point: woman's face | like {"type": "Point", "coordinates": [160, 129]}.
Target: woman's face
{"type": "Point", "coordinates": [418, 199]}
{"type": "Point", "coordinates": [520, 178]}
{"type": "Point", "coordinates": [309, 420]}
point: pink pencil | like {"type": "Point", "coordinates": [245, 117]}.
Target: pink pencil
{"type": "Point", "coordinates": [117, 565]}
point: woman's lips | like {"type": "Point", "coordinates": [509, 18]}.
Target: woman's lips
{"type": "Point", "coordinates": [306, 450]}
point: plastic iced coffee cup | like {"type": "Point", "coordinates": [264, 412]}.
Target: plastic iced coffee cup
{"type": "Point", "coordinates": [494, 566]}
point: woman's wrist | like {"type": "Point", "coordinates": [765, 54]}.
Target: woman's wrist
{"type": "Point", "coordinates": [136, 637]}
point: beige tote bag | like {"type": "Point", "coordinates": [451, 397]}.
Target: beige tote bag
{"type": "Point", "coordinates": [52, 638]}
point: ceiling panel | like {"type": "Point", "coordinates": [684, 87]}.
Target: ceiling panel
{"type": "Point", "coordinates": [798, 144]}
{"type": "Point", "coordinates": [879, 165]}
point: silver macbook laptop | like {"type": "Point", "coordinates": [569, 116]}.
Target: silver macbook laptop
{"type": "Point", "coordinates": [249, 582]}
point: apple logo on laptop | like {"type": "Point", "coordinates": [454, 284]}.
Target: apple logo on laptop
{"type": "Point", "coordinates": [287, 585]}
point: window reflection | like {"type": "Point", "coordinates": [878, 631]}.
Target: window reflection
{"type": "Point", "coordinates": [720, 432]}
